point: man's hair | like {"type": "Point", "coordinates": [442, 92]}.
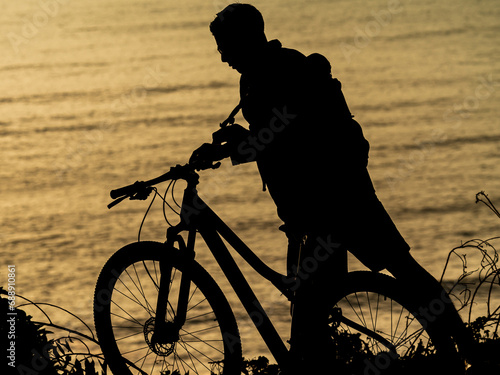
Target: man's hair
{"type": "Point", "coordinates": [239, 20]}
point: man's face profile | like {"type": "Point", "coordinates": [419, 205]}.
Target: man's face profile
{"type": "Point", "coordinates": [233, 53]}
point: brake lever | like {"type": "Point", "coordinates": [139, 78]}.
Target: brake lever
{"type": "Point", "coordinates": [143, 194]}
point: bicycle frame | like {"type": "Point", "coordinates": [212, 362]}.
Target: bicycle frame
{"type": "Point", "coordinates": [196, 216]}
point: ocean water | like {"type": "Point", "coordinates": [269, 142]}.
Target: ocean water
{"type": "Point", "coordinates": [98, 94]}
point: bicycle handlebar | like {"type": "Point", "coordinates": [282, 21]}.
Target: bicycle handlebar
{"type": "Point", "coordinates": [141, 189]}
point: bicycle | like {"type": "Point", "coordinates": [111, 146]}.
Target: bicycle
{"type": "Point", "coordinates": [157, 311]}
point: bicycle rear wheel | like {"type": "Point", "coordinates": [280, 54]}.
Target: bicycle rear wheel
{"type": "Point", "coordinates": [377, 329]}
{"type": "Point", "coordinates": [124, 314]}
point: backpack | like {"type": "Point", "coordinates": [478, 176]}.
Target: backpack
{"type": "Point", "coordinates": [347, 130]}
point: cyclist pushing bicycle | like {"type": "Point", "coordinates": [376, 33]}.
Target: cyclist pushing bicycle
{"type": "Point", "coordinates": [312, 157]}
{"type": "Point", "coordinates": [158, 311]}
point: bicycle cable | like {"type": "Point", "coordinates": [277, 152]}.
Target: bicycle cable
{"type": "Point", "coordinates": [165, 202]}
{"type": "Point", "coordinates": [173, 197]}
{"type": "Point", "coordinates": [144, 219]}
{"type": "Point", "coordinates": [170, 188]}
{"type": "Point", "coordinates": [146, 214]}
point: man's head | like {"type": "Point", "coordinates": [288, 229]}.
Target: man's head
{"type": "Point", "coordinates": [239, 32]}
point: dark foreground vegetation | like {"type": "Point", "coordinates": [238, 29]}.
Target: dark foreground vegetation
{"type": "Point", "coordinates": [42, 347]}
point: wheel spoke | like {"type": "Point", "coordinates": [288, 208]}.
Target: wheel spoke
{"type": "Point", "coordinates": [129, 336]}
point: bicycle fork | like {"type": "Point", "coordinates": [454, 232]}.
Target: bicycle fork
{"type": "Point", "coordinates": [167, 332]}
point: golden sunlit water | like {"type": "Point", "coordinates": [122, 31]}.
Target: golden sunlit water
{"type": "Point", "coordinates": [98, 94]}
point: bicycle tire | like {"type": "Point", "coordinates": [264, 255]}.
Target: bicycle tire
{"type": "Point", "coordinates": [416, 346]}
{"type": "Point", "coordinates": [124, 304]}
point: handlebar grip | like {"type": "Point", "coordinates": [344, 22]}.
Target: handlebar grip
{"type": "Point", "coordinates": [116, 201]}
{"type": "Point", "coordinates": [126, 190]}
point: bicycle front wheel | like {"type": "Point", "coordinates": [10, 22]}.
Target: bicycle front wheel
{"type": "Point", "coordinates": [124, 314]}
{"type": "Point", "coordinates": [377, 329]}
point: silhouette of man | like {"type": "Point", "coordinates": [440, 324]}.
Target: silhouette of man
{"type": "Point", "coordinates": [312, 157]}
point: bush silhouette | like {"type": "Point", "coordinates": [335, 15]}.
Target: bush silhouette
{"type": "Point", "coordinates": [31, 352]}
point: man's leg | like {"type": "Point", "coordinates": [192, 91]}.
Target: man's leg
{"type": "Point", "coordinates": [435, 306]}
{"type": "Point", "coordinates": [321, 269]}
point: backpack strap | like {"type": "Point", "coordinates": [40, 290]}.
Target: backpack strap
{"type": "Point", "coordinates": [234, 112]}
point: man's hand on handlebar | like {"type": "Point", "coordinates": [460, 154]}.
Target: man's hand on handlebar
{"type": "Point", "coordinates": [204, 156]}
{"type": "Point", "coordinates": [224, 140]}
